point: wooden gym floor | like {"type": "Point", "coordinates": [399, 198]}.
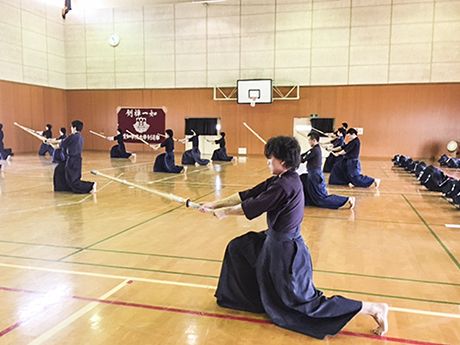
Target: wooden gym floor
{"type": "Point", "coordinates": [125, 266]}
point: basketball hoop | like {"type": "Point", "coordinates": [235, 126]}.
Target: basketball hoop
{"type": "Point", "coordinates": [253, 101]}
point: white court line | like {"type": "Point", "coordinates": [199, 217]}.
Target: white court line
{"type": "Point", "coordinates": [70, 203]}
{"type": "Point", "coordinates": [79, 313]}
{"type": "Point", "coordinates": [110, 276]}
{"type": "Point", "coordinates": [185, 174]}
{"type": "Point", "coordinates": [43, 207]}
{"type": "Point", "coordinates": [453, 226]}
{"type": "Point", "coordinates": [90, 195]}
{"type": "Point", "coordinates": [175, 176]}
{"type": "Point", "coordinates": [424, 312]}
{"type": "Point", "coordinates": [28, 176]}
{"type": "Point", "coordinates": [200, 286]}
{"type": "Point", "coordinates": [120, 167]}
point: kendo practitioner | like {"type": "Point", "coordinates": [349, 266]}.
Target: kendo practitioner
{"type": "Point", "coordinates": [4, 153]}
{"type": "Point", "coordinates": [348, 171]}
{"type": "Point", "coordinates": [67, 175]}
{"type": "Point", "coordinates": [314, 185]}
{"type": "Point", "coordinates": [221, 153]}
{"type": "Point", "coordinates": [58, 154]}
{"type": "Point", "coordinates": [190, 157]}
{"type": "Point", "coordinates": [44, 147]}
{"type": "Point", "coordinates": [343, 129]}
{"type": "Point", "coordinates": [337, 144]}
{"type": "Point", "coordinates": [119, 150]}
{"type": "Point", "coordinates": [165, 162]}
{"type": "Point", "coordinates": [271, 271]}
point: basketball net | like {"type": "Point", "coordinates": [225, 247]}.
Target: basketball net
{"type": "Point", "coordinates": [253, 101]}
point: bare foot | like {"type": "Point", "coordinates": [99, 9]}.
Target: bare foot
{"type": "Point", "coordinates": [380, 316]}
{"type": "Point", "coordinates": [377, 182]}
{"type": "Point", "coordinates": [351, 185]}
{"type": "Point", "coordinates": [94, 190]}
{"type": "Point", "coordinates": [352, 202]}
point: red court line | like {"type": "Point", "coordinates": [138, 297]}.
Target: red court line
{"type": "Point", "coordinates": [207, 314]}
{"type": "Point", "coordinates": [20, 322]}
{"type": "Point", "coordinates": [10, 328]}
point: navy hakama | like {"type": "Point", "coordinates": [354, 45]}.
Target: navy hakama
{"type": "Point", "coordinates": [4, 153]}
{"type": "Point", "coordinates": [349, 169]}
{"type": "Point", "coordinates": [59, 181]}
{"type": "Point", "coordinates": [165, 162]}
{"type": "Point", "coordinates": [314, 188]}
{"type": "Point", "coordinates": [45, 148]}
{"type": "Point", "coordinates": [67, 176]}
{"type": "Point", "coordinates": [119, 150]}
{"type": "Point", "coordinates": [331, 159]}
{"type": "Point", "coordinates": [58, 154]}
{"type": "Point", "coordinates": [314, 185]}
{"type": "Point", "coordinates": [271, 271]}
{"type": "Point", "coordinates": [330, 162]}
{"type": "Point", "coordinates": [221, 153]}
{"type": "Point", "coordinates": [190, 157]}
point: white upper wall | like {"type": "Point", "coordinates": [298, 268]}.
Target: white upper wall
{"type": "Point", "coordinates": [32, 42]}
{"type": "Point", "coordinates": [167, 44]}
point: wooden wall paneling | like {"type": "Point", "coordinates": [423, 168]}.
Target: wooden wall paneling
{"type": "Point", "coordinates": [231, 122]}
{"type": "Point", "coordinates": [79, 107]}
{"type": "Point", "coordinates": [414, 119]}
{"type": "Point", "coordinates": [55, 109]}
{"type": "Point", "coordinates": [103, 117]}
{"type": "Point", "coordinates": [175, 103]}
{"type": "Point", "coordinates": [8, 116]}
{"type": "Point", "coordinates": [32, 106]}
{"type": "Point", "coordinates": [37, 110]}
{"type": "Point", "coordinates": [23, 109]}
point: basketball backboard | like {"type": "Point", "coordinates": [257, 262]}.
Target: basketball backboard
{"type": "Point", "coordinates": [253, 91]}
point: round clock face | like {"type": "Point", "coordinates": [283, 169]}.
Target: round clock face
{"type": "Point", "coordinates": [114, 40]}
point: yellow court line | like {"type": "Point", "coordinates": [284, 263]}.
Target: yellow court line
{"type": "Point", "coordinates": [200, 286]}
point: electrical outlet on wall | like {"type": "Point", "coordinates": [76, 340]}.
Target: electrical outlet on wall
{"type": "Point", "coordinates": [242, 151]}
{"type": "Point", "coordinates": [360, 130]}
